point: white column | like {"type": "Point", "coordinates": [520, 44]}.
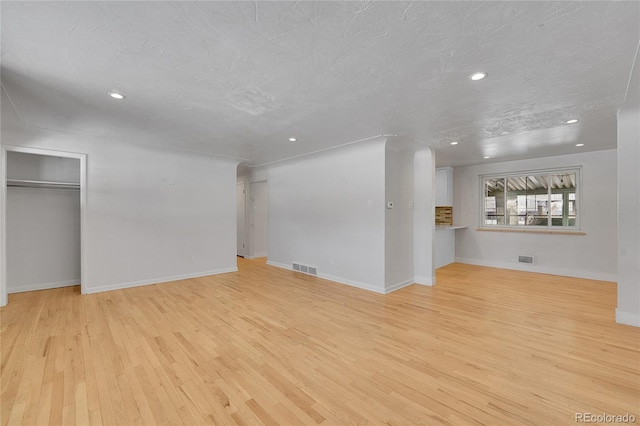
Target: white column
{"type": "Point", "coordinates": [628, 311]}
{"type": "Point", "coordinates": [424, 167]}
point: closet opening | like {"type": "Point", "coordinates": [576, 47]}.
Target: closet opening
{"type": "Point", "coordinates": [42, 237]}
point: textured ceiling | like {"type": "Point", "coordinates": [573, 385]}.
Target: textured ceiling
{"type": "Point", "coordinates": [238, 79]}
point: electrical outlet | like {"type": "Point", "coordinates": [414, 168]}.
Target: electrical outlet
{"type": "Point", "coordinates": [332, 260]}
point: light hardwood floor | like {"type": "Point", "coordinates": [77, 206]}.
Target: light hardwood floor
{"type": "Point", "coordinates": [269, 346]}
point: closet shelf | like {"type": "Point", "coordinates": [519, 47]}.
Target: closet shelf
{"type": "Point", "coordinates": [20, 183]}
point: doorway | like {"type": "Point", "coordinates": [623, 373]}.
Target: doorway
{"type": "Point", "coordinates": [241, 218]}
{"type": "Point", "coordinates": [258, 218]}
{"type": "Point", "coordinates": [42, 238]}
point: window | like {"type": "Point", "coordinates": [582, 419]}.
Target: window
{"type": "Point", "coordinates": [533, 199]}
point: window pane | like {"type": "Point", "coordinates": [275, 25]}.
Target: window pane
{"type": "Point", "coordinates": [527, 202]}
{"type": "Point", "coordinates": [538, 209]}
{"type": "Point", "coordinates": [494, 201]}
{"type": "Point", "coordinates": [563, 199]}
{"type": "Point", "coordinates": [516, 203]}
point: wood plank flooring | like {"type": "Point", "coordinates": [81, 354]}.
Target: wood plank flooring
{"type": "Point", "coordinates": [269, 346]}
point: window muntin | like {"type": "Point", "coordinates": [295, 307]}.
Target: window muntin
{"type": "Point", "coordinates": [535, 199]}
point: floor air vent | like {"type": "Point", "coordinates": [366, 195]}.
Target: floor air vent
{"type": "Point", "coordinates": [525, 259]}
{"type": "Point", "coordinates": [310, 270]}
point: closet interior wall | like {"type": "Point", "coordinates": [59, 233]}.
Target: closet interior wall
{"type": "Point", "coordinates": [43, 222]}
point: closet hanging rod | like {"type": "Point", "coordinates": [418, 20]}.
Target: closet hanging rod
{"type": "Point", "coordinates": [20, 183]}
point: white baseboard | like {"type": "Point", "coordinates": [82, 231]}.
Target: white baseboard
{"type": "Point", "coordinates": [338, 280]}
{"type": "Point", "coordinates": [628, 318]}
{"type": "Point", "coordinates": [257, 255]}
{"type": "Point", "coordinates": [398, 286]}
{"type": "Point", "coordinates": [159, 280]}
{"type": "Point", "coordinates": [279, 265]}
{"type": "Point", "coordinates": [418, 279]}
{"type": "Point", "coordinates": [590, 275]}
{"type": "Point", "coordinates": [43, 286]}
{"type": "Point", "coordinates": [352, 283]}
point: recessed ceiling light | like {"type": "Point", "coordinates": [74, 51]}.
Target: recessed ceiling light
{"type": "Point", "coordinates": [454, 143]}
{"type": "Point", "coordinates": [579, 144]}
{"type": "Point", "coordinates": [478, 76]}
{"type": "Point", "coordinates": [486, 156]}
{"type": "Point", "coordinates": [116, 95]}
{"type": "Point", "coordinates": [572, 121]}
{"type": "Point", "coordinates": [292, 139]}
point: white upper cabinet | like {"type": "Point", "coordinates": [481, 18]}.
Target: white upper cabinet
{"type": "Point", "coordinates": [444, 186]}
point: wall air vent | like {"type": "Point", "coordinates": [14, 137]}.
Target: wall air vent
{"type": "Point", "coordinates": [310, 270]}
{"type": "Point", "coordinates": [525, 259]}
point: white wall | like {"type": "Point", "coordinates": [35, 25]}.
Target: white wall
{"type": "Point", "coordinates": [327, 210]}
{"type": "Point", "coordinates": [590, 256]}
{"type": "Point", "coordinates": [25, 166]}
{"type": "Point", "coordinates": [152, 215]}
{"type": "Point", "coordinates": [628, 311]}
{"type": "Point", "coordinates": [399, 219]}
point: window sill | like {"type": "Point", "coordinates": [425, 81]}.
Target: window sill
{"type": "Point", "coordinates": [534, 231]}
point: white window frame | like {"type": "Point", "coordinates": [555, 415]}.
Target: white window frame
{"type": "Point", "coordinates": [524, 173]}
